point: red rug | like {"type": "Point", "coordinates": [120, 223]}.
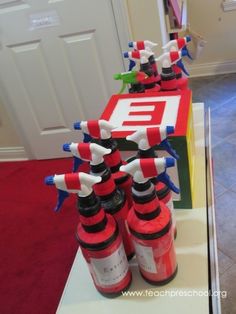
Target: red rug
{"type": "Point", "coordinates": [37, 245]}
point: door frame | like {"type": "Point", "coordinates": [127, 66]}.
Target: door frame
{"type": "Point", "coordinates": [120, 14]}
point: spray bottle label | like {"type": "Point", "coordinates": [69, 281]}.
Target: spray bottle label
{"type": "Point", "coordinates": [110, 270]}
{"type": "Point", "coordinates": [145, 258]}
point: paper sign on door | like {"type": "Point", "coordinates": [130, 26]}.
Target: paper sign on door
{"type": "Point", "coordinates": [44, 19]}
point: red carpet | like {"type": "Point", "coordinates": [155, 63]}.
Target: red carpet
{"type": "Point", "coordinates": [37, 245]}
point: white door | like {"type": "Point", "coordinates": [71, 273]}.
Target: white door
{"type": "Point", "coordinates": [57, 60]}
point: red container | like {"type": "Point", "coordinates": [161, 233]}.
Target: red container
{"type": "Point", "coordinates": [164, 195]}
{"type": "Point", "coordinates": [112, 160]}
{"type": "Point", "coordinates": [182, 83]}
{"type": "Point", "coordinates": [151, 230]}
{"type": "Point", "coordinates": [169, 85]}
{"type": "Point", "coordinates": [114, 202]}
{"type": "Point", "coordinates": [106, 258]}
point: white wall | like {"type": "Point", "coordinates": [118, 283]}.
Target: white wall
{"type": "Point", "coordinates": [145, 21]}
{"type": "Point", "coordinates": [218, 28]}
{"type": "Point", "coordinates": [207, 18]}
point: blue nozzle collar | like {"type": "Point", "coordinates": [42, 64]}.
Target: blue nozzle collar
{"type": "Point", "coordinates": [188, 38]}
{"type": "Point", "coordinates": [49, 180]}
{"type": "Point", "coordinates": [166, 145]}
{"type": "Point", "coordinates": [132, 64]}
{"type": "Point", "coordinates": [184, 53]}
{"type": "Point", "coordinates": [66, 147]}
{"type": "Point", "coordinates": [170, 129]}
{"type": "Point", "coordinates": [187, 53]}
{"type": "Point", "coordinates": [77, 162]}
{"type": "Point", "coordinates": [164, 178]}
{"type": "Point", "coordinates": [62, 195]}
{"type": "Point", "coordinates": [181, 66]}
{"type": "Point", "coordinates": [126, 54]}
{"type": "Point", "coordinates": [170, 162]}
{"type": "Point", "coordinates": [87, 138]}
{"type": "Point", "coordinates": [77, 125]}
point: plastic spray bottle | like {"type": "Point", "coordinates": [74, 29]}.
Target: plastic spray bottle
{"type": "Point", "coordinates": [168, 76]}
{"type": "Point", "coordinates": [150, 223]}
{"type": "Point", "coordinates": [131, 77]}
{"type": "Point", "coordinates": [135, 87]}
{"type": "Point", "coordinates": [176, 45]}
{"type": "Point", "coordinates": [101, 130]}
{"type": "Point", "coordinates": [97, 233]}
{"type": "Point", "coordinates": [147, 45]}
{"type": "Point", "coordinates": [147, 139]}
{"type": "Point", "coordinates": [145, 66]}
{"type": "Point", "coordinates": [113, 199]}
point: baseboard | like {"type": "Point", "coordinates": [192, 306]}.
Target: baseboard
{"type": "Point", "coordinates": [211, 68]}
{"type": "Point", "coordinates": [12, 153]}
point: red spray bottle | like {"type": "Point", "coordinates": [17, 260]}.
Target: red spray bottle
{"type": "Point", "coordinates": [168, 76]}
{"type": "Point", "coordinates": [148, 46]}
{"type": "Point", "coordinates": [176, 45]}
{"type": "Point", "coordinates": [147, 139]}
{"type": "Point", "coordinates": [97, 234]}
{"type": "Point", "coordinates": [113, 199]}
{"type": "Point", "coordinates": [150, 222]}
{"type": "Point", "coordinates": [149, 83]}
{"type": "Point", "coordinates": [101, 130]}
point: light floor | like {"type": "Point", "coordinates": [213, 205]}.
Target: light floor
{"type": "Point", "coordinates": [219, 92]}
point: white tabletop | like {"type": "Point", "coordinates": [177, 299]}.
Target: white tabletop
{"type": "Point", "coordinates": [191, 282]}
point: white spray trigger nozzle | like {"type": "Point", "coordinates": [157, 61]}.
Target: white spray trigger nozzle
{"type": "Point", "coordinates": [144, 169]}
{"type": "Point", "coordinates": [79, 182]}
{"type": "Point", "coordinates": [134, 169]}
{"type": "Point", "coordinates": [89, 151]}
{"type": "Point", "coordinates": [98, 152]}
{"type": "Point", "coordinates": [150, 44]}
{"type": "Point", "coordinates": [167, 59]}
{"type": "Point", "coordinates": [146, 53]}
{"type": "Point", "coordinates": [106, 128]}
{"type": "Point", "coordinates": [87, 181]}
{"type": "Point", "coordinates": [149, 137]}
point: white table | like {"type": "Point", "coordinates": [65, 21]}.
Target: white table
{"type": "Point", "coordinates": [80, 296]}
